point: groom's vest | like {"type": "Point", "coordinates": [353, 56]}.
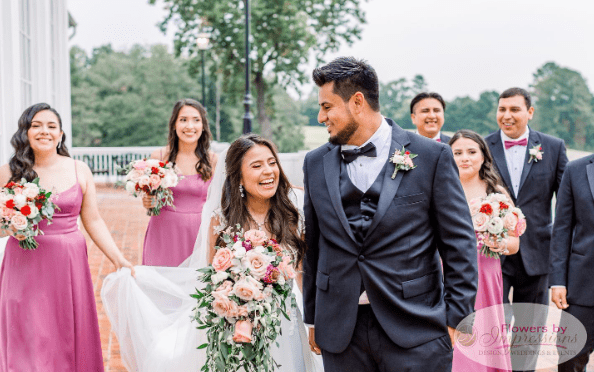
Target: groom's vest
{"type": "Point", "coordinates": [359, 206]}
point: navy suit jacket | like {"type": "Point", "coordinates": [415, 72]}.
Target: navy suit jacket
{"type": "Point", "coordinates": [572, 244]}
{"type": "Point", "coordinates": [444, 139]}
{"type": "Point", "coordinates": [538, 182]}
{"type": "Point", "coordinates": [422, 214]}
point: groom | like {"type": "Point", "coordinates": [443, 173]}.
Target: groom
{"type": "Point", "coordinates": [373, 284]}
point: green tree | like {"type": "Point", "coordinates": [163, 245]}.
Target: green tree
{"type": "Point", "coordinates": [563, 105]}
{"type": "Point", "coordinates": [466, 113]}
{"type": "Point", "coordinates": [284, 35]}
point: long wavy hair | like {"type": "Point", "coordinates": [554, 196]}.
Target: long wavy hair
{"type": "Point", "coordinates": [203, 166]}
{"type": "Point", "coordinates": [283, 217]}
{"type": "Point", "coordinates": [21, 163]}
{"type": "Point", "coordinates": [487, 173]}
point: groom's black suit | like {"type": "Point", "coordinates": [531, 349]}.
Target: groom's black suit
{"type": "Point", "coordinates": [421, 215]}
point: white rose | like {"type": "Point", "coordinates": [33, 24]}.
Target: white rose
{"type": "Point", "coordinates": [170, 180]}
{"type": "Point", "coordinates": [34, 211]}
{"type": "Point", "coordinates": [518, 212]}
{"type": "Point", "coordinates": [238, 249]}
{"type": "Point", "coordinates": [4, 197]}
{"type": "Point", "coordinates": [20, 200]}
{"type": "Point", "coordinates": [398, 159]}
{"type": "Point", "coordinates": [219, 277]}
{"type": "Point", "coordinates": [31, 190]}
{"type": "Point", "coordinates": [153, 163]}
{"type": "Point", "coordinates": [495, 226]}
{"type": "Point", "coordinates": [134, 175]}
{"type": "Point", "coordinates": [19, 221]}
{"type": "Point", "coordinates": [130, 187]}
{"type": "Point", "coordinates": [144, 181]}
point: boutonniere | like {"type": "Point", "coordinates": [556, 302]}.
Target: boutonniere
{"type": "Point", "coordinates": [402, 160]}
{"type": "Point", "coordinates": [535, 153]}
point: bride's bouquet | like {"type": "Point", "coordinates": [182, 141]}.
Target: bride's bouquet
{"type": "Point", "coordinates": [494, 218]}
{"type": "Point", "coordinates": [22, 207]}
{"type": "Point", "coordinates": [246, 293]}
{"type": "Point", "coordinates": [152, 177]}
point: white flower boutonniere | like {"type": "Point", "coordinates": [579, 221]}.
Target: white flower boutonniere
{"type": "Point", "coordinates": [402, 160]}
{"type": "Point", "coordinates": [535, 153]}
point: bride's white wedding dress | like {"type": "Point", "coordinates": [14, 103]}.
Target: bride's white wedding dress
{"type": "Point", "coordinates": [151, 314]}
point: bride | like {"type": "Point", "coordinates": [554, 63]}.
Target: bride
{"type": "Point", "coordinates": [152, 314]}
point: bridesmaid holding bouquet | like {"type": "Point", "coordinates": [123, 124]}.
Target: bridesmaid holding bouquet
{"type": "Point", "coordinates": [171, 235]}
{"type": "Point", "coordinates": [48, 317]}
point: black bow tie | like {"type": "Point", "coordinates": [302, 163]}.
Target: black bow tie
{"type": "Point", "coordinates": [367, 150]}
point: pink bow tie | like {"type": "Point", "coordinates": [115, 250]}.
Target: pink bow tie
{"type": "Point", "coordinates": [438, 140]}
{"type": "Point", "coordinates": [510, 144]}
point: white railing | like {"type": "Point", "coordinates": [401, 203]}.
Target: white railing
{"type": "Point", "coordinates": [105, 161]}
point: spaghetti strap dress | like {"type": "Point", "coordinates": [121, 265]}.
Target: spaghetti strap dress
{"type": "Point", "coordinates": [48, 316]}
{"type": "Point", "coordinates": [171, 235]}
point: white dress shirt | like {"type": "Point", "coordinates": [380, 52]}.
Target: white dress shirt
{"type": "Point", "coordinates": [515, 157]}
{"type": "Point", "coordinates": [437, 137]}
{"type": "Point", "coordinates": [364, 170]}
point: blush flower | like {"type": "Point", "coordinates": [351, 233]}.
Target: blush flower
{"type": "Point", "coordinates": [222, 259]}
{"type": "Point", "coordinates": [247, 288]}
{"type": "Point", "coordinates": [480, 221]}
{"type": "Point", "coordinates": [256, 237]}
{"type": "Point", "coordinates": [19, 221]}
{"type": "Point", "coordinates": [243, 331]}
{"type": "Point", "coordinates": [257, 263]}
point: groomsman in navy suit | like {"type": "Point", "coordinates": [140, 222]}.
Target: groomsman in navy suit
{"type": "Point", "coordinates": [373, 284]}
{"type": "Point", "coordinates": [572, 263]}
{"type": "Point", "coordinates": [427, 112]}
{"type": "Point", "coordinates": [531, 181]}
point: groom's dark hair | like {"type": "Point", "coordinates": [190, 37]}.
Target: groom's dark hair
{"type": "Point", "coordinates": [350, 76]}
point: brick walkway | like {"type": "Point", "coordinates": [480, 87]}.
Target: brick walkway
{"type": "Point", "coordinates": [126, 219]}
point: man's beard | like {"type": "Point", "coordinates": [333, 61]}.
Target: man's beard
{"type": "Point", "coordinates": [343, 137]}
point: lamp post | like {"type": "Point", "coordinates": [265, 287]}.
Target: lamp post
{"type": "Point", "coordinates": [247, 101]}
{"type": "Point", "coordinates": [202, 43]}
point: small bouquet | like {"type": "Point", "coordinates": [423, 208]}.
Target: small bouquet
{"type": "Point", "coordinates": [22, 207]}
{"type": "Point", "coordinates": [152, 177]}
{"type": "Point", "coordinates": [494, 217]}
{"type": "Point", "coordinates": [246, 293]}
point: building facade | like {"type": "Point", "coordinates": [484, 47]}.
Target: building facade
{"type": "Point", "coordinates": [34, 63]}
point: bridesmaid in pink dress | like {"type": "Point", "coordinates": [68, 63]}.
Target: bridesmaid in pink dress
{"type": "Point", "coordinates": [171, 235]}
{"type": "Point", "coordinates": [479, 178]}
{"type": "Point", "coordinates": [48, 318]}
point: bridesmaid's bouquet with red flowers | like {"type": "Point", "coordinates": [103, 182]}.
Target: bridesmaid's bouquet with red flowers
{"type": "Point", "coordinates": [246, 293]}
{"type": "Point", "coordinates": [22, 207]}
{"type": "Point", "coordinates": [495, 218]}
{"type": "Point", "coordinates": [152, 177]}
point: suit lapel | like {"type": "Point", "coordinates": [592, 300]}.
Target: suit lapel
{"type": "Point", "coordinates": [499, 156]}
{"type": "Point", "coordinates": [389, 185]}
{"type": "Point", "coordinates": [533, 140]}
{"type": "Point", "coordinates": [332, 173]}
{"type": "Point", "coordinates": [590, 173]}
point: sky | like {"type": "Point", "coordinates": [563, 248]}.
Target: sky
{"type": "Point", "coordinates": [461, 47]}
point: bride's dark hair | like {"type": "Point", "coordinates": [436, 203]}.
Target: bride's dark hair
{"type": "Point", "coordinates": [283, 216]}
{"type": "Point", "coordinates": [21, 163]}
{"type": "Point", "coordinates": [487, 172]}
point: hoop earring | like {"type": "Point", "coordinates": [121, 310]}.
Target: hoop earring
{"type": "Point", "coordinates": [241, 190]}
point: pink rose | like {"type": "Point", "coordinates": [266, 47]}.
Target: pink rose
{"type": "Point", "coordinates": [243, 331]}
{"type": "Point", "coordinates": [140, 165]}
{"type": "Point", "coordinates": [221, 306]}
{"type": "Point", "coordinates": [19, 221]}
{"type": "Point", "coordinates": [475, 206]}
{"type": "Point", "coordinates": [257, 263]}
{"type": "Point", "coordinates": [256, 237]}
{"type": "Point", "coordinates": [17, 190]}
{"type": "Point", "coordinates": [155, 181]}
{"type": "Point", "coordinates": [286, 268]}
{"type": "Point", "coordinates": [31, 190]}
{"type": "Point", "coordinates": [222, 259]}
{"type": "Point", "coordinates": [247, 288]}
{"type": "Point", "coordinates": [510, 221]}
{"type": "Point", "coordinates": [408, 161]}
{"type": "Point", "coordinates": [480, 222]}
{"type": "Point", "coordinates": [233, 311]}
{"type": "Point", "coordinates": [520, 227]}
{"type": "Point", "coordinates": [539, 155]}
{"type": "Point", "coordinates": [7, 213]}
{"type": "Point", "coordinates": [224, 289]}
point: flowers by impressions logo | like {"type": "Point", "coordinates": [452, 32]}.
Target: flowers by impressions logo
{"type": "Point", "coordinates": [537, 336]}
